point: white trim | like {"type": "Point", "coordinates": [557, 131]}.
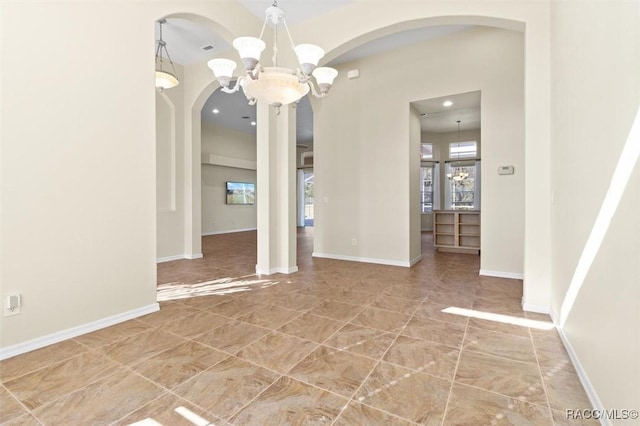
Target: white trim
{"type": "Point", "coordinates": [193, 256]}
{"type": "Point", "coordinates": [220, 160]}
{"type": "Point", "coordinates": [501, 274]}
{"type": "Point", "coordinates": [364, 259]}
{"type": "Point", "coordinates": [272, 271]}
{"type": "Point", "coordinates": [170, 258]}
{"type": "Point", "coordinates": [69, 333]}
{"type": "Point", "coordinates": [538, 309]}
{"type": "Point", "coordinates": [415, 260]}
{"type": "Point", "coordinates": [206, 234]}
{"type": "Point", "coordinates": [582, 374]}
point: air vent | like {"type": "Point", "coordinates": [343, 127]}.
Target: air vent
{"type": "Point", "coordinates": [207, 48]}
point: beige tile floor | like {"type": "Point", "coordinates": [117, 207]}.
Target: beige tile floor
{"type": "Point", "coordinates": [336, 343]}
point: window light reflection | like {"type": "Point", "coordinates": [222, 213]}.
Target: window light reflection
{"type": "Point", "coordinates": [505, 319]}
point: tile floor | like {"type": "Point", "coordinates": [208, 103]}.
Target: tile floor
{"type": "Point", "coordinates": [336, 343]}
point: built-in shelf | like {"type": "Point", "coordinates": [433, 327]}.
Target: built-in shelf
{"type": "Point", "coordinates": [457, 231]}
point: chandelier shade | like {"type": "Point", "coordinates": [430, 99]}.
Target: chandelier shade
{"type": "Point", "coordinates": [164, 79]}
{"type": "Point", "coordinates": [274, 85]}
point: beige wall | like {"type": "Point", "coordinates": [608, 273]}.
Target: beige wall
{"type": "Point", "coordinates": [596, 96]}
{"type": "Point", "coordinates": [78, 164]}
{"type": "Point", "coordinates": [170, 175]}
{"type": "Point", "coordinates": [79, 161]}
{"type": "Point", "coordinates": [362, 146]}
{"type": "Point", "coordinates": [413, 187]}
{"type": "Point", "coordinates": [231, 145]}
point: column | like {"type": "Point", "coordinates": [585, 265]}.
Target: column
{"type": "Point", "coordinates": [276, 190]}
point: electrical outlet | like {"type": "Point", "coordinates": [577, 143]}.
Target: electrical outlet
{"type": "Point", "coordinates": [12, 304]}
{"type": "Point", "coordinates": [354, 242]}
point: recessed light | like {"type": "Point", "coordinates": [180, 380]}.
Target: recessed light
{"type": "Point", "coordinates": [215, 110]}
{"type": "Point", "coordinates": [253, 123]}
{"type": "Point", "coordinates": [447, 103]}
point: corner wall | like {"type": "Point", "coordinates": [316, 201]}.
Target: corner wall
{"type": "Point", "coordinates": [170, 175]}
{"type": "Point", "coordinates": [362, 146]}
{"type": "Point", "coordinates": [596, 96]}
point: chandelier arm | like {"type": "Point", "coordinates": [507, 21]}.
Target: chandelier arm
{"type": "Point", "coordinates": [314, 90]}
{"type": "Point", "coordinates": [159, 55]}
{"type": "Point", "coordinates": [235, 88]}
{"type": "Point", "coordinates": [286, 27]}
{"type": "Point", "coordinates": [170, 61]}
{"type": "Point", "coordinates": [275, 46]}
{"type": "Point", "coordinates": [264, 25]}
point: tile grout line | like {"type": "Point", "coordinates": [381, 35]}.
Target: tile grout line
{"type": "Point", "coordinates": [544, 387]}
{"type": "Point", "coordinates": [21, 404]}
{"type": "Point", "coordinates": [378, 363]}
{"type": "Point", "coordinates": [455, 372]}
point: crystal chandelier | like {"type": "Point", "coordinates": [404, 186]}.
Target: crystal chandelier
{"type": "Point", "coordinates": [458, 173]}
{"type": "Point", "coordinates": [164, 79]}
{"type": "Point", "coordinates": [274, 85]}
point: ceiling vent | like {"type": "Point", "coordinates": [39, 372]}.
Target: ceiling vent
{"type": "Point", "coordinates": [207, 48]}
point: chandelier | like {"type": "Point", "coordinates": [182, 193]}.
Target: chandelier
{"type": "Point", "coordinates": [164, 79]}
{"type": "Point", "coordinates": [458, 173]}
{"type": "Point", "coordinates": [274, 85]}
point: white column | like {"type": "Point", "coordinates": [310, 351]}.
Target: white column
{"type": "Point", "coordinates": [276, 190]}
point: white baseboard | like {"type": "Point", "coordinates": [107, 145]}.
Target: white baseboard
{"type": "Point", "coordinates": [69, 333]}
{"type": "Point", "coordinates": [231, 231]}
{"type": "Point", "coordinates": [272, 271]}
{"type": "Point", "coordinates": [179, 257]}
{"type": "Point", "coordinates": [364, 259]}
{"type": "Point", "coordinates": [170, 258]}
{"type": "Point", "coordinates": [582, 374]}
{"type": "Point", "coordinates": [415, 260]}
{"type": "Point", "coordinates": [501, 274]}
{"type": "Point", "coordinates": [538, 309]}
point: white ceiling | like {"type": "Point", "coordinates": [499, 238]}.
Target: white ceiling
{"type": "Point", "coordinates": [296, 11]}
{"type": "Point", "coordinates": [438, 118]}
{"type": "Point", "coordinates": [186, 38]}
{"type": "Point", "coordinates": [233, 108]}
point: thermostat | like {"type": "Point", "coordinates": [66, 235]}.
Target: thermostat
{"type": "Point", "coordinates": [505, 170]}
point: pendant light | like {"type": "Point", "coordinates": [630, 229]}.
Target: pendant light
{"type": "Point", "coordinates": [275, 85]}
{"type": "Point", "coordinates": [164, 79]}
{"type": "Point", "coordinates": [458, 174]}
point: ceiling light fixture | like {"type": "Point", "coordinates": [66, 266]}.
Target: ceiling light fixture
{"type": "Point", "coordinates": [215, 110]}
{"type": "Point", "coordinates": [274, 85]}
{"type": "Point", "coordinates": [447, 103]}
{"type": "Point", "coordinates": [164, 79]}
{"type": "Point", "coordinates": [458, 173]}
{"type": "Point", "coordinates": [253, 123]}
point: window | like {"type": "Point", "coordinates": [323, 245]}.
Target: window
{"type": "Point", "coordinates": [426, 189]}
{"type": "Point", "coordinates": [463, 150]}
{"type": "Point", "coordinates": [463, 194]}
{"type": "Point", "coordinates": [426, 151]}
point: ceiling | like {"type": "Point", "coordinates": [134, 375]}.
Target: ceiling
{"type": "Point", "coordinates": [438, 118]}
{"type": "Point", "coordinates": [185, 41]}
